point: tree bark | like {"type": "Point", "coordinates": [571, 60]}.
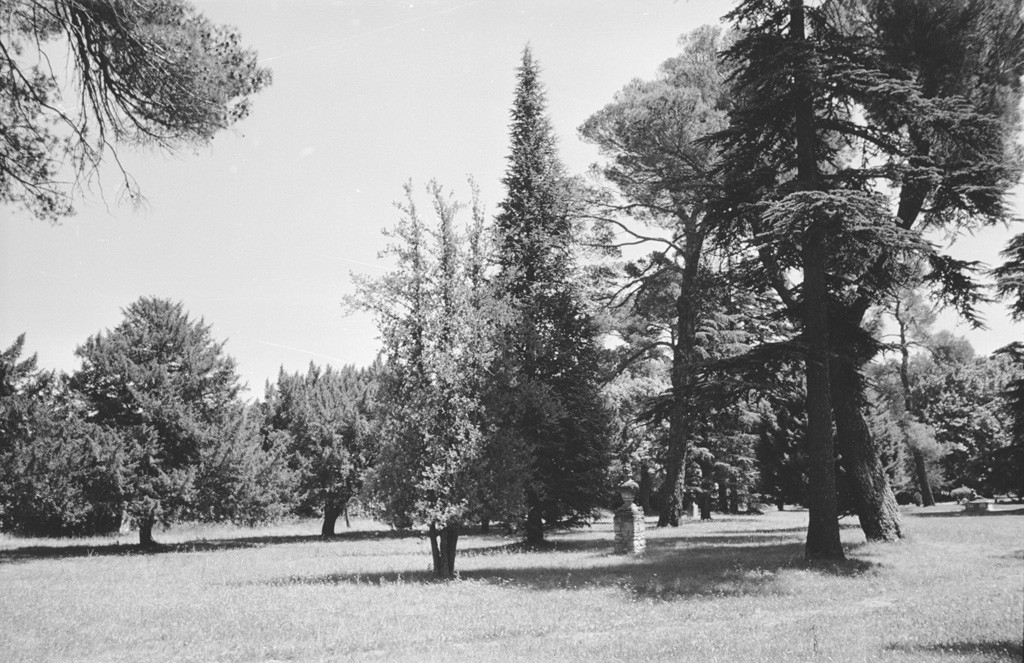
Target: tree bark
{"type": "Point", "coordinates": [723, 496]}
{"type": "Point", "coordinates": [734, 498]}
{"type": "Point", "coordinates": [874, 501]}
{"type": "Point", "coordinates": [331, 513]}
{"type": "Point", "coordinates": [146, 532]}
{"type": "Point", "coordinates": [921, 474]}
{"type": "Point", "coordinates": [705, 504]}
{"type": "Point", "coordinates": [823, 526]}
{"type": "Point", "coordinates": [920, 466]}
{"type": "Point", "coordinates": [684, 361]}
{"type": "Point", "coordinates": [443, 547]}
{"type": "Point", "coordinates": [485, 525]}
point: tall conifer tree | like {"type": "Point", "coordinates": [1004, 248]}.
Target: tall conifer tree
{"type": "Point", "coordinates": [551, 400]}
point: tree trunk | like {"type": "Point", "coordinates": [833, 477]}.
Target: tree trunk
{"type": "Point", "coordinates": [331, 513]}
{"type": "Point", "coordinates": [873, 498]}
{"type": "Point", "coordinates": [534, 520]}
{"type": "Point", "coordinates": [723, 497]}
{"type": "Point", "coordinates": [669, 502]}
{"type": "Point", "coordinates": [921, 475]}
{"type": "Point", "coordinates": [684, 361]}
{"type": "Point", "coordinates": [920, 467]}
{"type": "Point", "coordinates": [443, 546]}
{"type": "Point", "coordinates": [146, 532]}
{"type": "Point", "coordinates": [705, 504]}
{"type": "Point", "coordinates": [643, 494]}
{"type": "Point", "coordinates": [485, 525]}
{"type": "Point", "coordinates": [823, 526]}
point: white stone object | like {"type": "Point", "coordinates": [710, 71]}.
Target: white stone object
{"type": "Point", "coordinates": [629, 523]}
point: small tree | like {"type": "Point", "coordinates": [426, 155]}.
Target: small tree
{"type": "Point", "coordinates": [327, 415]}
{"type": "Point", "coordinates": [243, 474]}
{"type": "Point", "coordinates": [59, 475]}
{"type": "Point", "coordinates": [441, 463]}
{"type": "Point", "coordinates": [162, 382]}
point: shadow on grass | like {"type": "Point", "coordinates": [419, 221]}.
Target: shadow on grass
{"type": "Point", "coordinates": [964, 514]}
{"type": "Point", "coordinates": [673, 567]}
{"type": "Point", "coordinates": [998, 650]}
{"type": "Point", "coordinates": [28, 553]}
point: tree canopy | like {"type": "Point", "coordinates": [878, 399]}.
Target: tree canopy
{"type": "Point", "coordinates": [162, 381]}
{"type": "Point", "coordinates": [143, 72]}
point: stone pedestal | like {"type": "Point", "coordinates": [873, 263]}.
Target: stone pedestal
{"type": "Point", "coordinates": [629, 523]}
{"type": "Point", "coordinates": [980, 505]}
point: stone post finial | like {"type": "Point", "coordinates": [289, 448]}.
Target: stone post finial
{"type": "Point", "coordinates": [629, 523]}
{"type": "Point", "coordinates": [628, 490]}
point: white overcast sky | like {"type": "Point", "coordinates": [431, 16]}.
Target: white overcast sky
{"type": "Point", "coordinates": [258, 232]}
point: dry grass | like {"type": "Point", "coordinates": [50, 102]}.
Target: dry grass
{"type": "Point", "coordinates": [734, 589]}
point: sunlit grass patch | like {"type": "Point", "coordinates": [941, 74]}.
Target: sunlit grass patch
{"type": "Point", "coordinates": [734, 589]}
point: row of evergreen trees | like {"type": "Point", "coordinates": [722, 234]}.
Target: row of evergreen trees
{"type": "Point", "coordinates": [150, 429]}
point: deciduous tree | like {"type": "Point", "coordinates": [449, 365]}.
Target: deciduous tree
{"type": "Point", "coordinates": [441, 462]}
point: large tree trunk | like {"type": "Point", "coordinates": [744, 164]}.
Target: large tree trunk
{"type": "Point", "coordinates": [680, 421]}
{"type": "Point", "coordinates": [876, 506]}
{"type": "Point", "coordinates": [146, 524]}
{"type": "Point", "coordinates": [331, 512]}
{"type": "Point", "coordinates": [443, 546]}
{"type": "Point", "coordinates": [705, 504]}
{"type": "Point", "coordinates": [823, 526]}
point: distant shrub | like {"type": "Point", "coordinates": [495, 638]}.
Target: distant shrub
{"type": "Point", "coordinates": [905, 497]}
{"type": "Point", "coordinates": [963, 494]}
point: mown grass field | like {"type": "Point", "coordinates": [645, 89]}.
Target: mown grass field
{"type": "Point", "coordinates": [734, 589]}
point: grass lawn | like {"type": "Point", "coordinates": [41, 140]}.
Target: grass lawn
{"type": "Point", "coordinates": [734, 589]}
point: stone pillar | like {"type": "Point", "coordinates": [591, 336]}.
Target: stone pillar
{"type": "Point", "coordinates": [629, 523]}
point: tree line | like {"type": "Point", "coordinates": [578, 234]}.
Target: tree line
{"type": "Point", "coordinates": [734, 306]}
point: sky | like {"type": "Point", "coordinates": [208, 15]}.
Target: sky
{"type": "Point", "coordinates": [259, 232]}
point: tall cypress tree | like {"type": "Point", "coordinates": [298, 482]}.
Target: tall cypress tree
{"type": "Point", "coordinates": [549, 397]}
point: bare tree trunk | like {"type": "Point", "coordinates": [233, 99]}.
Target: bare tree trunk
{"type": "Point", "coordinates": [920, 466]}
{"type": "Point", "coordinates": [146, 524]}
{"type": "Point", "coordinates": [734, 498]}
{"type": "Point", "coordinates": [331, 513]}
{"type": "Point", "coordinates": [823, 526]}
{"type": "Point", "coordinates": [443, 547]}
{"type": "Point", "coordinates": [723, 496]}
{"type": "Point", "coordinates": [921, 474]}
{"type": "Point", "coordinates": [705, 504]}
{"type": "Point", "coordinates": [485, 525]}
{"type": "Point", "coordinates": [874, 501]}
{"type": "Point", "coordinates": [684, 362]}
